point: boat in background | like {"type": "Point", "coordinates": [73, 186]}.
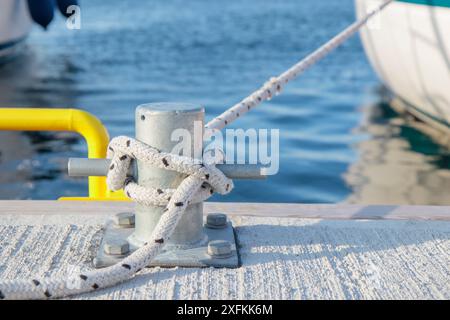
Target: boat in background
{"type": "Point", "coordinates": [17, 17]}
{"type": "Point", "coordinates": [15, 24]}
{"type": "Point", "coordinates": [409, 48]}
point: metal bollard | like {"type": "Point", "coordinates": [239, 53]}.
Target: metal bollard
{"type": "Point", "coordinates": [155, 124]}
{"type": "Point", "coordinates": [195, 242]}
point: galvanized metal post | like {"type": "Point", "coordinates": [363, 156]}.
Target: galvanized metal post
{"type": "Point", "coordinates": [195, 242]}
{"type": "Point", "coordinates": [155, 124]}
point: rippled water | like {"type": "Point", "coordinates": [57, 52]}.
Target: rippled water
{"type": "Point", "coordinates": [338, 141]}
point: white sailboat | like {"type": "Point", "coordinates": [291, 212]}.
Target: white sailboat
{"type": "Point", "coordinates": [409, 48]}
{"type": "Point", "coordinates": [15, 24]}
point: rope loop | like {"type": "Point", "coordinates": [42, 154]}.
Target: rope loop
{"type": "Point", "coordinates": [123, 149]}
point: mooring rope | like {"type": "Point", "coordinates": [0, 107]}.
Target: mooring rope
{"type": "Point", "coordinates": [123, 149]}
{"type": "Point", "coordinates": [201, 182]}
{"type": "Point", "coordinates": [275, 85]}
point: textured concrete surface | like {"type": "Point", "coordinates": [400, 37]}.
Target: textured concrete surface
{"type": "Point", "coordinates": [283, 258]}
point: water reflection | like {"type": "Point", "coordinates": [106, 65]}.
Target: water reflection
{"type": "Point", "coordinates": [397, 163]}
{"type": "Point", "coordinates": [33, 164]}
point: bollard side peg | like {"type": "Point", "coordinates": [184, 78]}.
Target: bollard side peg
{"type": "Point", "coordinates": [196, 241]}
{"type": "Point", "coordinates": [84, 167]}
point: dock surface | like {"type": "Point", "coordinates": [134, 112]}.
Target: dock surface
{"type": "Point", "coordinates": [288, 251]}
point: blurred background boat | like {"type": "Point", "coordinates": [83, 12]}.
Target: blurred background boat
{"type": "Point", "coordinates": [409, 48]}
{"type": "Point", "coordinates": [17, 17]}
{"type": "Point", "coordinates": [15, 24]}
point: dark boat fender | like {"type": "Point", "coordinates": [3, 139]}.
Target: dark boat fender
{"type": "Point", "coordinates": [41, 11]}
{"type": "Point", "coordinates": [64, 4]}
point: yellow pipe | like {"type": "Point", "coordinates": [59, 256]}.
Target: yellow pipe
{"type": "Point", "coordinates": [82, 122]}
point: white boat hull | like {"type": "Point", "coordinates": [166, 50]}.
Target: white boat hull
{"type": "Point", "coordinates": [408, 45]}
{"type": "Point", "coordinates": [15, 24]}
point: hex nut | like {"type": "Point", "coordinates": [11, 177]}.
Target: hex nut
{"type": "Point", "coordinates": [216, 221]}
{"type": "Point", "coordinates": [116, 247]}
{"type": "Point", "coordinates": [124, 219]}
{"type": "Point", "coordinates": [219, 248]}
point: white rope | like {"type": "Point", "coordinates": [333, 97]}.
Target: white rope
{"type": "Point", "coordinates": [202, 180]}
{"type": "Point", "coordinates": [275, 85]}
{"type": "Point", "coordinates": [123, 149]}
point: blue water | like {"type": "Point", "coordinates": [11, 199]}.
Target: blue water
{"type": "Point", "coordinates": [338, 141]}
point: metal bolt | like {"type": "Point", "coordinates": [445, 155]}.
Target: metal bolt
{"type": "Point", "coordinates": [124, 219]}
{"type": "Point", "coordinates": [216, 220]}
{"type": "Point", "coordinates": [219, 248]}
{"type": "Point", "coordinates": [116, 247]}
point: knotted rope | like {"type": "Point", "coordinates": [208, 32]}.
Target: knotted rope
{"type": "Point", "coordinates": [201, 181]}
{"type": "Point", "coordinates": [123, 149]}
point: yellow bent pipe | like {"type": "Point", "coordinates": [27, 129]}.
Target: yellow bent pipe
{"type": "Point", "coordinates": [82, 122]}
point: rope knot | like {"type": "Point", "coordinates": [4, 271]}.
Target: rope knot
{"type": "Point", "coordinates": [122, 150]}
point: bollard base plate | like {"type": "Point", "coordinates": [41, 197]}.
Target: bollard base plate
{"type": "Point", "coordinates": [171, 256]}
